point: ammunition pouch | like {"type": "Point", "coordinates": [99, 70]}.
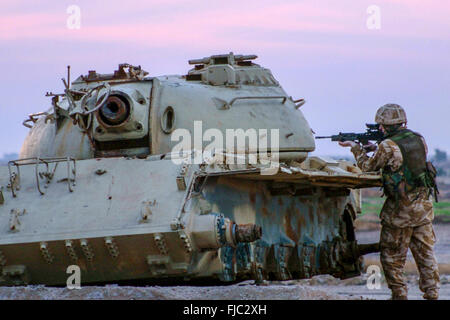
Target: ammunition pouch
{"type": "Point", "coordinates": [430, 179]}
{"type": "Point", "coordinates": [391, 182]}
{"type": "Point", "coordinates": [399, 183]}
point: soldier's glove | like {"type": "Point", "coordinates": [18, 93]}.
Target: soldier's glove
{"type": "Point", "coordinates": [369, 147]}
{"type": "Point", "coordinates": [347, 144]}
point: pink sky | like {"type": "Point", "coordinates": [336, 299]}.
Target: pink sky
{"type": "Point", "coordinates": [319, 50]}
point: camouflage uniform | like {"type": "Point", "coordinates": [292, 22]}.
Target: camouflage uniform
{"type": "Point", "coordinates": [406, 222]}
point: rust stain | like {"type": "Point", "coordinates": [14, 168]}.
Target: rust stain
{"type": "Point", "coordinates": [300, 223]}
{"type": "Point", "coordinates": [311, 214]}
{"type": "Point", "coordinates": [280, 201]}
{"type": "Point", "coordinates": [62, 146]}
{"type": "Point", "coordinates": [290, 232]}
{"type": "Point", "coordinates": [322, 213]}
{"type": "Point", "coordinates": [241, 185]}
{"type": "Point", "coordinates": [252, 197]}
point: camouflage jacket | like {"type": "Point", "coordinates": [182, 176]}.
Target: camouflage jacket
{"type": "Point", "coordinates": [416, 208]}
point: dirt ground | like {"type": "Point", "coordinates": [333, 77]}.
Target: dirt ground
{"type": "Point", "coordinates": [241, 291]}
{"type": "Point", "coordinates": [318, 288]}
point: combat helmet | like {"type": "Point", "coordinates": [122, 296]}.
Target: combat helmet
{"type": "Point", "coordinates": [390, 114]}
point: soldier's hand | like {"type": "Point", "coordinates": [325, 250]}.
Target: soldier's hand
{"type": "Point", "coordinates": [347, 144]}
{"type": "Point", "coordinates": [370, 147]}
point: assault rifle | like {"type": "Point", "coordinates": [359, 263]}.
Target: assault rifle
{"type": "Point", "coordinates": [372, 134]}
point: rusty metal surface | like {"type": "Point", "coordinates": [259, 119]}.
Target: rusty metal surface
{"type": "Point", "coordinates": [248, 232]}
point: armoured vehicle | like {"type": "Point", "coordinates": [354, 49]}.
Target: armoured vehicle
{"type": "Point", "coordinates": [109, 180]}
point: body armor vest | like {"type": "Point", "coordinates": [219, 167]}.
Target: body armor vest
{"type": "Point", "coordinates": [413, 172]}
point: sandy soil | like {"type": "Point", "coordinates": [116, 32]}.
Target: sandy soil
{"type": "Point", "coordinates": [242, 291]}
{"type": "Point", "coordinates": [317, 288]}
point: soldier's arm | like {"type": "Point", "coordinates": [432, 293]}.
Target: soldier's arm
{"type": "Point", "coordinates": [388, 154]}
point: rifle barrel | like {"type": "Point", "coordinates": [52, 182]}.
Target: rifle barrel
{"type": "Point", "coordinates": [324, 137]}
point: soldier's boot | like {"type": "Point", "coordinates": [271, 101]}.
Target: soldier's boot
{"type": "Point", "coordinates": [399, 293]}
{"type": "Point", "coordinates": [396, 296]}
{"type": "Point", "coordinates": [431, 294]}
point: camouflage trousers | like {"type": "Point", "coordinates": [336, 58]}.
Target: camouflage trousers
{"type": "Point", "coordinates": [394, 244]}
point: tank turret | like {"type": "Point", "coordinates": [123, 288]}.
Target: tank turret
{"type": "Point", "coordinates": [129, 113]}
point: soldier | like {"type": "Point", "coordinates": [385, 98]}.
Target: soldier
{"type": "Point", "coordinates": [407, 213]}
